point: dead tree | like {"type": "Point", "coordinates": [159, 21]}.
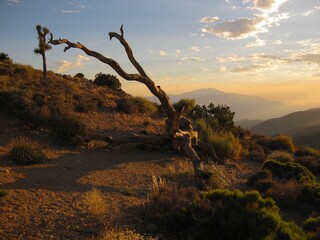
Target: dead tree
{"type": "Point", "coordinates": [179, 128]}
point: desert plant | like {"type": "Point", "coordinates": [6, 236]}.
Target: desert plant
{"type": "Point", "coordinates": [130, 105]}
{"type": "Point", "coordinates": [3, 192]}
{"type": "Point", "coordinates": [217, 179]}
{"type": "Point", "coordinates": [261, 181]}
{"type": "Point", "coordinates": [70, 128]}
{"type": "Point", "coordinates": [311, 194]}
{"type": "Point", "coordinates": [107, 80]}
{"type": "Point", "coordinates": [281, 156]}
{"type": "Point", "coordinates": [281, 143]}
{"type": "Point", "coordinates": [186, 104]}
{"type": "Point", "coordinates": [247, 215]}
{"type": "Point", "coordinates": [256, 153]}
{"type": "Point", "coordinates": [125, 234]}
{"type": "Point", "coordinates": [224, 142]}
{"type": "Point", "coordinates": [289, 170]}
{"type": "Point", "coordinates": [95, 203]}
{"type": "Point", "coordinates": [24, 150]}
{"type": "Point", "coordinates": [312, 228]}
{"type": "Point", "coordinates": [286, 193]}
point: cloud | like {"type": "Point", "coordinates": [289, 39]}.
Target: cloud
{"type": "Point", "coordinates": [209, 19]}
{"type": "Point", "coordinates": [195, 48]}
{"type": "Point", "coordinates": [277, 42]}
{"type": "Point", "coordinates": [257, 43]}
{"type": "Point", "coordinates": [192, 59]}
{"type": "Point", "coordinates": [308, 55]}
{"type": "Point", "coordinates": [204, 69]}
{"type": "Point", "coordinates": [178, 51]}
{"type": "Point", "coordinates": [235, 29]}
{"type": "Point", "coordinates": [13, 2]}
{"type": "Point", "coordinates": [64, 66]}
{"type": "Point", "coordinates": [268, 5]}
{"type": "Point", "coordinates": [76, 8]}
{"type": "Point", "coordinates": [163, 53]}
{"type": "Point", "coordinates": [242, 28]}
{"type": "Point", "coordinates": [70, 11]}
{"type": "Point", "coordinates": [308, 12]}
{"type": "Point", "coordinates": [252, 68]}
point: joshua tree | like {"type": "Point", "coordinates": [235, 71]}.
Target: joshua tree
{"type": "Point", "coordinates": [42, 47]}
{"type": "Point", "coordinates": [179, 128]}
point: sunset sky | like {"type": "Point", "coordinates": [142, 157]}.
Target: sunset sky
{"type": "Point", "coordinates": [268, 48]}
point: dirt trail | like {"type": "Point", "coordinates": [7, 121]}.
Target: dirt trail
{"type": "Point", "coordinates": [46, 201]}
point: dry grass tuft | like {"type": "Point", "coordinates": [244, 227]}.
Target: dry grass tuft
{"type": "Point", "coordinates": [95, 203]}
{"type": "Point", "coordinates": [127, 234]}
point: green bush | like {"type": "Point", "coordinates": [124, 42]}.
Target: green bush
{"type": "Point", "coordinates": [3, 192]}
{"type": "Point", "coordinates": [24, 150]}
{"type": "Point", "coordinates": [312, 228]}
{"type": "Point", "coordinates": [107, 80]}
{"type": "Point", "coordinates": [281, 156]}
{"type": "Point", "coordinates": [228, 215]}
{"type": "Point", "coordinates": [130, 105]}
{"type": "Point", "coordinates": [225, 144]}
{"type": "Point", "coordinates": [289, 170]}
{"type": "Point", "coordinates": [187, 104]}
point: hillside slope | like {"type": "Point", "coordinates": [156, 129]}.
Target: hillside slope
{"type": "Point", "coordinates": [303, 127]}
{"type": "Point", "coordinates": [288, 122]}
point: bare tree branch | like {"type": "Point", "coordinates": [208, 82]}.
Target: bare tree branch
{"type": "Point", "coordinates": [179, 128]}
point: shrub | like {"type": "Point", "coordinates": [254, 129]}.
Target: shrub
{"type": "Point", "coordinates": [281, 143]}
{"type": "Point", "coordinates": [308, 157]}
{"type": "Point", "coordinates": [262, 181]}
{"type": "Point", "coordinates": [224, 215]}
{"type": "Point", "coordinates": [286, 193]}
{"type": "Point", "coordinates": [3, 192]}
{"type": "Point", "coordinates": [224, 143]}
{"type": "Point", "coordinates": [309, 162]}
{"type": "Point", "coordinates": [107, 80]}
{"type": "Point", "coordinates": [307, 152]}
{"type": "Point", "coordinates": [127, 234]}
{"type": "Point", "coordinates": [312, 228]}
{"type": "Point", "coordinates": [95, 203]}
{"type": "Point", "coordinates": [217, 178]}
{"type": "Point", "coordinates": [238, 215]}
{"type": "Point", "coordinates": [70, 128]}
{"type": "Point", "coordinates": [281, 156]}
{"type": "Point", "coordinates": [24, 150]}
{"type": "Point", "coordinates": [311, 194]}
{"type": "Point", "coordinates": [256, 153]}
{"type": "Point", "coordinates": [289, 170]}
{"type": "Point", "coordinates": [130, 105]}
{"type": "Point", "coordinates": [187, 104]}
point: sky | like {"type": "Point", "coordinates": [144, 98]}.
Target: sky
{"type": "Point", "coordinates": [268, 48]}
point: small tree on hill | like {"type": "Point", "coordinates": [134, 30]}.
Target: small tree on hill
{"type": "Point", "coordinates": [108, 80]}
{"type": "Point", "coordinates": [4, 57]}
{"type": "Point", "coordinates": [79, 75]}
{"type": "Point", "coordinates": [42, 47]}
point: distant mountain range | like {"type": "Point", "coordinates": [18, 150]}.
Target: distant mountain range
{"type": "Point", "coordinates": [245, 107]}
{"type": "Point", "coordinates": [302, 126]}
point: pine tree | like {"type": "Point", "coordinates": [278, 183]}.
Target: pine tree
{"type": "Point", "coordinates": [42, 47]}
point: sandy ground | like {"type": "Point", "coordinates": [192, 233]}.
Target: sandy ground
{"type": "Point", "coordinates": [47, 201]}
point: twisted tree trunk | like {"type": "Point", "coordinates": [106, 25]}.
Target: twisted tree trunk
{"type": "Point", "coordinates": [179, 128]}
